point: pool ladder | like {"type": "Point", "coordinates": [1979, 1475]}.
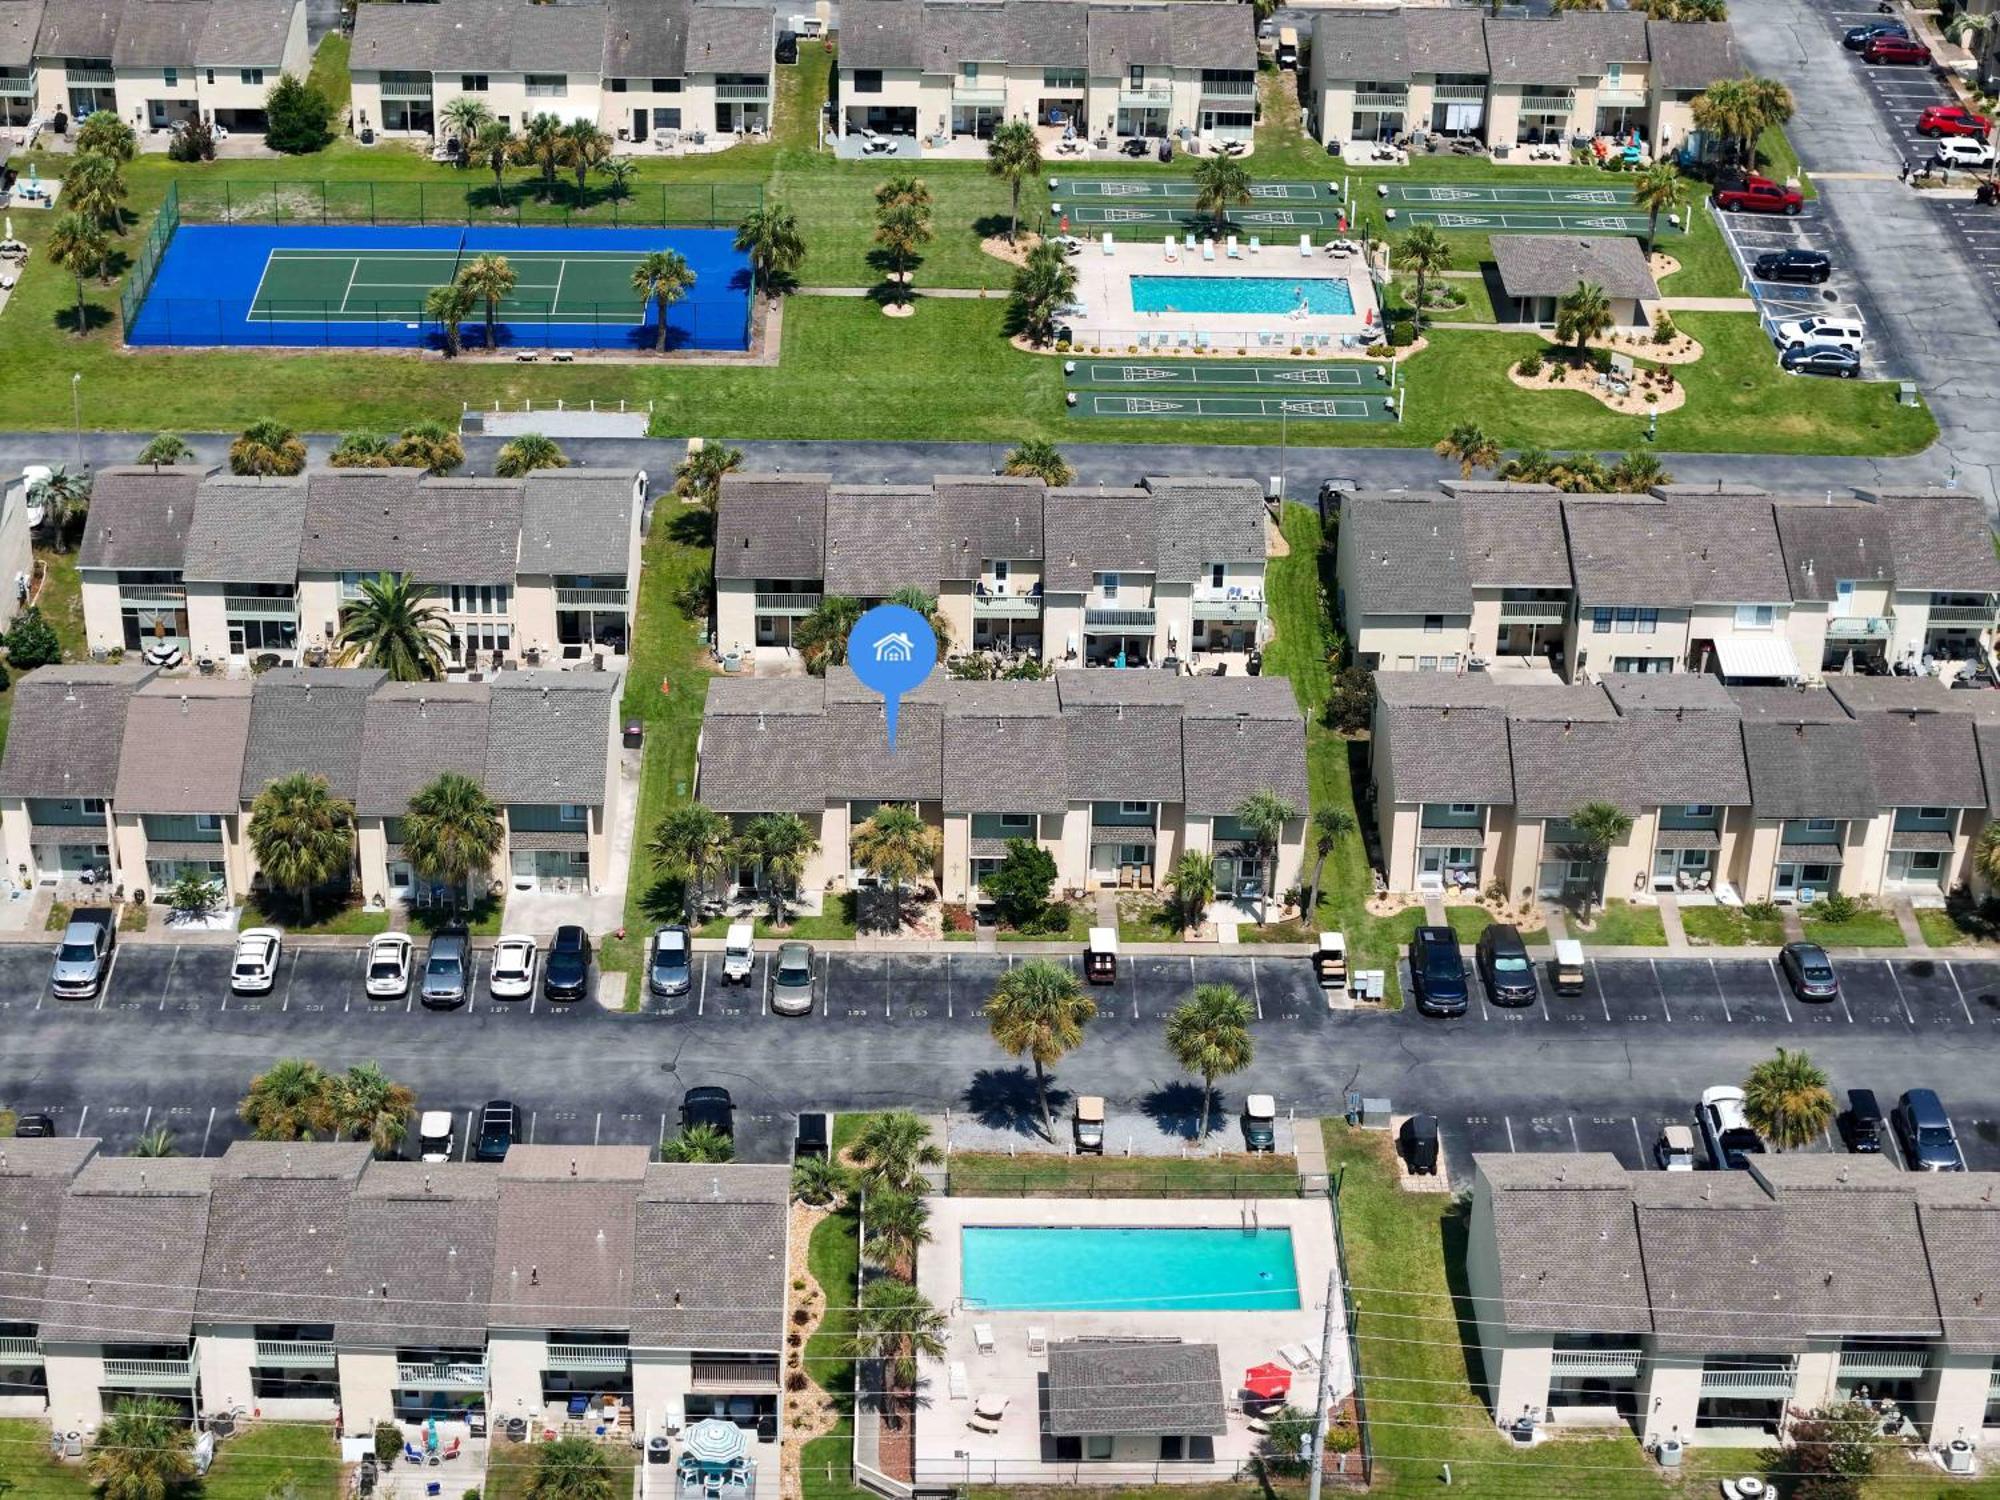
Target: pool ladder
{"type": "Point", "coordinates": [1252, 1223]}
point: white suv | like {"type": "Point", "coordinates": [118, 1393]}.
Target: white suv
{"type": "Point", "coordinates": [1726, 1128]}
{"type": "Point", "coordinates": [1843, 333]}
{"type": "Point", "coordinates": [256, 967]}
{"type": "Point", "coordinates": [1962, 153]}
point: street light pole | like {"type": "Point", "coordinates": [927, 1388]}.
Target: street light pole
{"type": "Point", "coordinates": [76, 411]}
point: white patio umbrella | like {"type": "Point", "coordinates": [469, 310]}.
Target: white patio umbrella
{"type": "Point", "coordinates": [713, 1442]}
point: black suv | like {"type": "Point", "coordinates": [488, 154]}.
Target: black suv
{"type": "Point", "coordinates": [711, 1106]}
{"type": "Point", "coordinates": [566, 974]}
{"type": "Point", "coordinates": [1807, 267]}
{"type": "Point", "coordinates": [1438, 972]}
{"type": "Point", "coordinates": [1861, 1122]}
{"type": "Point", "coordinates": [499, 1124]}
{"type": "Point", "coordinates": [1504, 965]}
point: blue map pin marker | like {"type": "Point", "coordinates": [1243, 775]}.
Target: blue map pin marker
{"type": "Point", "coordinates": [892, 650]}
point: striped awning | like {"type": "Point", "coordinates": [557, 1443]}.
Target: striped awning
{"type": "Point", "coordinates": [1450, 838]}
{"type": "Point", "coordinates": [1922, 841]}
{"type": "Point", "coordinates": [56, 836]}
{"type": "Point", "coordinates": [532, 841]}
{"type": "Point", "coordinates": [1809, 854]}
{"type": "Point", "coordinates": [1688, 838]}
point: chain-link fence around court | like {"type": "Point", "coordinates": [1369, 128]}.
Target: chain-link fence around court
{"type": "Point", "coordinates": [472, 200]}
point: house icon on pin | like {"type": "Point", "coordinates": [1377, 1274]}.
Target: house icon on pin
{"type": "Point", "coordinates": [894, 647]}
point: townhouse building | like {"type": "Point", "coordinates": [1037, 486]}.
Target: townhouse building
{"type": "Point", "coordinates": [1731, 581]}
{"type": "Point", "coordinates": [1705, 1306]}
{"type": "Point", "coordinates": [134, 780]}
{"type": "Point", "coordinates": [157, 63]}
{"type": "Point", "coordinates": [1376, 75]}
{"type": "Point", "coordinates": [943, 68]}
{"type": "Point", "coordinates": [630, 67]}
{"type": "Point", "coordinates": [1079, 576]}
{"type": "Point", "coordinates": [181, 562]}
{"type": "Point", "coordinates": [1115, 774]}
{"type": "Point", "coordinates": [315, 1283]}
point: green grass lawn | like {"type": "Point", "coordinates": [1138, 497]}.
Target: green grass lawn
{"type": "Point", "coordinates": [329, 71]}
{"type": "Point", "coordinates": [1142, 919]}
{"type": "Point", "coordinates": [510, 1472]}
{"type": "Point", "coordinates": [1866, 929]}
{"type": "Point", "coordinates": [1075, 928]}
{"type": "Point", "coordinates": [1941, 929]}
{"type": "Point", "coordinates": [1621, 924]}
{"type": "Point", "coordinates": [351, 919]}
{"type": "Point", "coordinates": [1728, 927]}
{"type": "Point", "coordinates": [247, 1467]}
{"type": "Point", "coordinates": [837, 921]}
{"type": "Point", "coordinates": [978, 1175]}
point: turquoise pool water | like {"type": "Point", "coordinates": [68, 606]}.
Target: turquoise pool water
{"type": "Point", "coordinates": [1271, 296]}
{"type": "Point", "coordinates": [1079, 1270]}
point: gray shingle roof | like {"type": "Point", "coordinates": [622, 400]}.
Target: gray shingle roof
{"type": "Point", "coordinates": [129, 1220]}
{"type": "Point", "coordinates": [1364, 47]}
{"type": "Point", "coordinates": [1958, 1214]}
{"type": "Point", "coordinates": [880, 538]}
{"type": "Point", "coordinates": [139, 517]}
{"type": "Point", "coordinates": [1087, 531]}
{"type": "Point", "coordinates": [1004, 749]}
{"type": "Point", "coordinates": [33, 1177]}
{"type": "Point", "coordinates": [864, 766]}
{"type": "Point", "coordinates": [1203, 521]}
{"type": "Point", "coordinates": [183, 746]}
{"type": "Point", "coordinates": [307, 719]}
{"type": "Point", "coordinates": [774, 525]}
{"type": "Point", "coordinates": [547, 737]}
{"type": "Point", "coordinates": [1440, 754]}
{"type": "Point", "coordinates": [277, 1237]}
{"type": "Point", "coordinates": [885, 34]}
{"type": "Point", "coordinates": [420, 1255]}
{"type": "Point", "coordinates": [1567, 1243]}
{"type": "Point", "coordinates": [577, 521]}
{"type": "Point", "coordinates": [1551, 265]}
{"type": "Point", "coordinates": [1513, 540]}
{"type": "Point", "coordinates": [1128, 36]}
{"type": "Point", "coordinates": [1560, 766]}
{"type": "Point", "coordinates": [1942, 541]}
{"type": "Point", "coordinates": [466, 530]}
{"type": "Point", "coordinates": [245, 530]}
{"type": "Point", "coordinates": [79, 28]}
{"type": "Point", "coordinates": [709, 1259]}
{"type": "Point", "coordinates": [396, 36]}
{"type": "Point", "coordinates": [1667, 692]}
{"type": "Point", "coordinates": [1110, 1390]}
{"type": "Point", "coordinates": [1124, 753]}
{"type": "Point", "coordinates": [1208, 36]}
{"type": "Point", "coordinates": [1539, 52]}
{"type": "Point", "coordinates": [1625, 552]}
{"type": "Point", "coordinates": [764, 746]}
{"type": "Point", "coordinates": [1691, 54]}
{"type": "Point", "coordinates": [1923, 759]}
{"type": "Point", "coordinates": [1732, 549]}
{"type": "Point", "coordinates": [1987, 734]}
{"type": "Point", "coordinates": [159, 33]}
{"type": "Point", "coordinates": [563, 1252]}
{"type": "Point", "coordinates": [1788, 705]}
{"type": "Point", "coordinates": [1444, 39]}
{"type": "Point", "coordinates": [245, 33]}
{"type": "Point", "coordinates": [67, 725]}
{"type": "Point", "coordinates": [1860, 694]}
{"type": "Point", "coordinates": [1690, 757]}
{"type": "Point", "coordinates": [358, 520]}
{"type": "Point", "coordinates": [645, 38]}
{"type": "Point", "coordinates": [1228, 759]}
{"type": "Point", "coordinates": [987, 517]}
{"type": "Point", "coordinates": [1809, 770]}
{"type": "Point", "coordinates": [1044, 33]}
{"type": "Point", "coordinates": [20, 22]}
{"type": "Point", "coordinates": [1825, 543]}
{"type": "Point", "coordinates": [410, 734]}
{"type": "Point", "coordinates": [1409, 555]}
{"type": "Point", "coordinates": [725, 38]}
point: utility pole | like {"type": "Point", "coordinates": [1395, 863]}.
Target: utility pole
{"type": "Point", "coordinates": [1319, 1403]}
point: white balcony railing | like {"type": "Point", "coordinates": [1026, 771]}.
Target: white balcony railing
{"type": "Point", "coordinates": [455, 1376]}
{"type": "Point", "coordinates": [152, 593]}
{"type": "Point", "coordinates": [294, 1354]}
{"type": "Point", "coordinates": [1228, 604]}
{"type": "Point", "coordinates": [577, 598]}
{"type": "Point", "coordinates": [1597, 1364]}
{"type": "Point", "coordinates": [1961, 614]}
{"type": "Point", "coordinates": [154, 1372]}
{"type": "Point", "coordinates": [1375, 103]}
{"type": "Point", "coordinates": [1532, 611]}
{"type": "Point", "coordinates": [1884, 1364]}
{"type": "Point", "coordinates": [589, 1356]}
{"type": "Point", "coordinates": [20, 1351]}
{"type": "Point", "coordinates": [1858, 628]}
{"type": "Point", "coordinates": [1007, 606]}
{"type": "Point", "coordinates": [1111, 618]}
{"type": "Point", "coordinates": [1148, 96]}
{"type": "Point", "coordinates": [1548, 104]}
{"type": "Point", "coordinates": [18, 88]}
{"type": "Point", "coordinates": [742, 93]}
{"type": "Point", "coordinates": [1750, 1384]}
{"type": "Point", "coordinates": [787, 604]}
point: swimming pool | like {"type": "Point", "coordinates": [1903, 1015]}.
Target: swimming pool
{"type": "Point", "coordinates": [1049, 1269]}
{"type": "Point", "coordinates": [1271, 296]}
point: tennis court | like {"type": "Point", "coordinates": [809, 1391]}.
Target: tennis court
{"type": "Point", "coordinates": [369, 284]}
{"type": "Point", "coordinates": [1211, 374]}
{"type": "Point", "coordinates": [1489, 206]}
{"type": "Point", "coordinates": [1238, 408]}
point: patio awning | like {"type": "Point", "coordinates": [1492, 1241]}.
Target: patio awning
{"type": "Point", "coordinates": [1809, 854]}
{"type": "Point", "coordinates": [1922, 841]}
{"type": "Point", "coordinates": [1450, 838]}
{"type": "Point", "coordinates": [168, 849]}
{"type": "Point", "coordinates": [532, 840]}
{"type": "Point", "coordinates": [1267, 1382]}
{"type": "Point", "coordinates": [52, 837]}
{"type": "Point", "coordinates": [713, 1443]}
{"type": "Point", "coordinates": [1757, 657]}
{"type": "Point", "coordinates": [1104, 833]}
{"type": "Point", "coordinates": [1688, 838]}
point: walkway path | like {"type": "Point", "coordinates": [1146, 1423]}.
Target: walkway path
{"type": "Point", "coordinates": [1906, 918]}
{"type": "Point", "coordinates": [1709, 304]}
{"type": "Point", "coordinates": [1670, 923]}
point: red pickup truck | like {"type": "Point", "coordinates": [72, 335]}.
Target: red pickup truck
{"type": "Point", "coordinates": [1759, 195]}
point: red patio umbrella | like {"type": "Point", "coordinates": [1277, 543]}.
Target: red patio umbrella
{"type": "Point", "coordinates": [1267, 1382]}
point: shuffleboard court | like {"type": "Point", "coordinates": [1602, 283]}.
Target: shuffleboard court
{"type": "Point", "coordinates": [1210, 374]}
{"type": "Point", "coordinates": [1237, 408]}
{"type": "Point", "coordinates": [1487, 192]}
{"type": "Point", "coordinates": [1183, 216]}
{"type": "Point", "coordinates": [1487, 206]}
{"type": "Point", "coordinates": [1177, 190]}
{"type": "Point", "coordinates": [362, 284]}
{"type": "Point", "coordinates": [1561, 223]}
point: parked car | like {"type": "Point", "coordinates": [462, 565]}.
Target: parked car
{"type": "Point", "coordinates": [1437, 971]}
{"type": "Point", "coordinates": [512, 974]}
{"type": "Point", "coordinates": [1674, 1150]}
{"type": "Point", "coordinates": [1900, 50]}
{"type": "Point", "coordinates": [255, 968]}
{"type": "Point", "coordinates": [35, 1127]}
{"type": "Point", "coordinates": [709, 1104]}
{"type": "Point", "coordinates": [814, 1136]}
{"type": "Point", "coordinates": [1809, 267]}
{"type": "Point", "coordinates": [435, 1136]}
{"type": "Point", "coordinates": [566, 975]}
{"type": "Point", "coordinates": [1861, 1122]}
{"type": "Point", "coordinates": [1846, 333]}
{"type": "Point", "coordinates": [739, 953]}
{"type": "Point", "coordinates": [1821, 359]}
{"type": "Point", "coordinates": [499, 1126]}
{"type": "Point", "coordinates": [389, 960]}
{"type": "Point", "coordinates": [447, 969]}
{"type": "Point", "coordinates": [1260, 1123]}
{"type": "Point", "coordinates": [1858, 37]}
{"type": "Point", "coordinates": [1970, 155]}
{"type": "Point", "coordinates": [792, 980]}
{"type": "Point", "coordinates": [83, 957]}
{"type": "Point", "coordinates": [1504, 965]}
{"type": "Point", "coordinates": [1758, 195]}
{"type": "Point", "coordinates": [787, 50]}
{"type": "Point", "coordinates": [670, 970]}
{"type": "Point", "coordinates": [1953, 119]}
{"type": "Point", "coordinates": [1924, 1129]}
{"type": "Point", "coordinates": [1725, 1128]}
{"type": "Point", "coordinates": [1809, 972]}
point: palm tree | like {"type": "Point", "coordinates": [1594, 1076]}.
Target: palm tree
{"type": "Point", "coordinates": [1209, 1036]}
{"type": "Point", "coordinates": [1582, 315]}
{"type": "Point", "coordinates": [1469, 447]}
{"type": "Point", "coordinates": [155, 1143]}
{"type": "Point", "coordinates": [430, 446]}
{"type": "Point", "coordinates": [144, 1451]}
{"type": "Point", "coordinates": [1039, 458]}
{"type": "Point", "coordinates": [1595, 827]}
{"type": "Point", "coordinates": [1220, 184]}
{"type": "Point", "coordinates": [392, 627]}
{"type": "Point", "coordinates": [542, 146]}
{"type": "Point", "coordinates": [1657, 190]}
{"type": "Point", "coordinates": [166, 448]}
{"type": "Point", "coordinates": [466, 115]}
{"type": "Point", "coordinates": [911, 597]}
{"type": "Point", "coordinates": [1638, 471]}
{"type": "Point", "coordinates": [1039, 1010]}
{"type": "Point", "coordinates": [1424, 253]}
{"type": "Point", "coordinates": [690, 841]}
{"type": "Point", "coordinates": [1559, 6]}
{"type": "Point", "coordinates": [1328, 827]}
{"type": "Point", "coordinates": [266, 448]}
{"type": "Point", "coordinates": [1723, 110]}
{"type": "Point", "coordinates": [94, 187]}
{"type": "Point", "coordinates": [80, 248]}
{"type": "Point", "coordinates": [770, 237]}
{"type": "Point", "coordinates": [699, 477]}
{"type": "Point", "coordinates": [902, 229]}
{"type": "Point", "coordinates": [1043, 286]}
{"type": "Point", "coordinates": [302, 835]}
{"type": "Point", "coordinates": [369, 1105]}
{"type": "Point", "coordinates": [779, 844]}
{"type": "Point", "coordinates": [1014, 153]}
{"type": "Point", "coordinates": [491, 279]}
{"type": "Point", "coordinates": [65, 497]}
{"type": "Point", "coordinates": [1964, 25]}
{"type": "Point", "coordinates": [448, 306]}
{"type": "Point", "coordinates": [105, 134]}
{"type": "Point", "coordinates": [571, 1468]}
{"type": "Point", "coordinates": [359, 450]}
{"type": "Point", "coordinates": [662, 278]}
{"type": "Point", "coordinates": [699, 1143]}
{"type": "Point", "coordinates": [527, 453]}
{"type": "Point", "coordinates": [898, 1225]}
{"type": "Point", "coordinates": [896, 1324]}
{"type": "Point", "coordinates": [1263, 816]}
{"type": "Point", "coordinates": [494, 148]}
{"type": "Point", "coordinates": [1986, 855]}
{"type": "Point", "coordinates": [903, 188]}
{"type": "Point", "coordinates": [1787, 1099]}
{"type": "Point", "coordinates": [585, 148]}
{"type": "Point", "coordinates": [1529, 466]}
{"type": "Point", "coordinates": [289, 1101]}
{"type": "Point", "coordinates": [890, 1149]}
{"type": "Point", "coordinates": [1770, 104]}
{"type": "Point", "coordinates": [897, 846]}
{"type": "Point", "coordinates": [1193, 884]}
{"type": "Point", "coordinates": [1579, 474]}
{"type": "Point", "coordinates": [821, 637]}
{"type": "Point", "coordinates": [452, 832]}
{"type": "Point", "coordinates": [618, 174]}
{"type": "Point", "coordinates": [817, 1180]}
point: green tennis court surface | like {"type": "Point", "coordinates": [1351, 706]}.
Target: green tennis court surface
{"type": "Point", "coordinates": [1238, 408]}
{"type": "Point", "coordinates": [1491, 206]}
{"type": "Point", "coordinates": [1177, 190]}
{"type": "Point", "coordinates": [365, 285]}
{"type": "Point", "coordinates": [1210, 374]}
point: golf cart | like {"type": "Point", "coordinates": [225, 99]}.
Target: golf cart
{"type": "Point", "coordinates": [1330, 962]}
{"type": "Point", "coordinates": [1260, 1123]}
{"type": "Point", "coordinates": [1100, 956]}
{"type": "Point", "coordinates": [1087, 1124]}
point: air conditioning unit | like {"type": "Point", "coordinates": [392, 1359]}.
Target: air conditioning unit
{"type": "Point", "coordinates": [1959, 1456]}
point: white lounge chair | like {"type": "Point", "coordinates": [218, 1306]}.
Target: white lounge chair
{"type": "Point", "coordinates": [1107, 242]}
{"type": "Point", "coordinates": [1255, 244]}
{"type": "Point", "coordinates": [1208, 249]}
{"type": "Point", "coordinates": [1173, 250]}
{"type": "Point", "coordinates": [961, 1380]}
{"type": "Point", "coordinates": [1233, 252]}
{"type": "Point", "coordinates": [982, 1337]}
{"type": "Point", "coordinates": [1190, 240]}
{"type": "Point", "coordinates": [1201, 341]}
{"type": "Point", "coordinates": [987, 1412]}
{"type": "Point", "coordinates": [1305, 247]}
{"type": "Point", "coordinates": [1038, 1340]}
{"type": "Point", "coordinates": [1298, 1356]}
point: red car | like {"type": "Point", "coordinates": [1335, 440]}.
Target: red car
{"type": "Point", "coordinates": [1895, 49]}
{"type": "Point", "coordinates": [1952, 119]}
{"type": "Point", "coordinates": [1759, 195]}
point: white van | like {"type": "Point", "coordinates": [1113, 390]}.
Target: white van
{"type": "Point", "coordinates": [1842, 333]}
{"type": "Point", "coordinates": [739, 953]}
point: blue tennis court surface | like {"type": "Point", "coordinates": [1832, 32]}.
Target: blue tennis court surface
{"type": "Point", "coordinates": [363, 286]}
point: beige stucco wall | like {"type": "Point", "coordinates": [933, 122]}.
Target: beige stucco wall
{"type": "Point", "coordinates": [514, 1363]}
{"type": "Point", "coordinates": [902, 88]}
{"type": "Point", "coordinates": [1599, 651]}
{"type": "Point", "coordinates": [661, 1380]}
{"type": "Point", "coordinates": [75, 1375]}
{"type": "Point", "coordinates": [1669, 1393]}
{"type": "Point", "coordinates": [367, 1387]}
{"type": "Point", "coordinates": [1955, 1390]}
{"type": "Point", "coordinates": [208, 620]}
{"type": "Point", "coordinates": [137, 88]}
{"type": "Point", "coordinates": [735, 613]}
{"type": "Point", "coordinates": [371, 846]}
{"type": "Point", "coordinates": [14, 830]}
{"type": "Point", "coordinates": [1400, 640]}
{"type": "Point", "coordinates": [101, 626]}
{"type": "Point", "coordinates": [1062, 625]}
{"type": "Point", "coordinates": [226, 1351]}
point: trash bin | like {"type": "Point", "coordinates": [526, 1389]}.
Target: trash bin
{"type": "Point", "coordinates": [1353, 1107]}
{"type": "Point", "coordinates": [635, 734]}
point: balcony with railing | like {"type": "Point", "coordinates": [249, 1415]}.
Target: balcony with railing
{"type": "Point", "coordinates": [974, 92]}
{"type": "Point", "coordinates": [17, 85]}
{"type": "Point", "coordinates": [1113, 617]}
{"type": "Point", "coordinates": [166, 1373]}
{"type": "Point", "coordinates": [581, 598]}
{"type": "Point", "coordinates": [1553, 103]}
{"type": "Point", "coordinates": [90, 73]}
{"type": "Point", "coordinates": [742, 93]}
{"type": "Point", "coordinates": [151, 593]}
{"type": "Point", "coordinates": [553, 88]}
{"type": "Point", "coordinates": [1375, 101]}
{"type": "Point", "coordinates": [1883, 1364]}
{"type": "Point", "coordinates": [1212, 88]}
{"type": "Point", "coordinates": [1228, 604]}
{"type": "Point", "coordinates": [1007, 606]}
{"type": "Point", "coordinates": [295, 1354]}
{"type": "Point", "coordinates": [1532, 611]}
{"type": "Point", "coordinates": [589, 1357]}
{"type": "Point", "coordinates": [1621, 93]}
{"type": "Point", "coordinates": [1857, 628]}
{"type": "Point", "coordinates": [262, 606]}
{"type": "Point", "coordinates": [1751, 1385]}
{"type": "Point", "coordinates": [1459, 93]}
{"type": "Point", "coordinates": [405, 85]}
{"type": "Point", "coordinates": [1596, 1364]}
{"type": "Point", "coordinates": [454, 1375]}
{"type": "Point", "coordinates": [17, 1350]}
{"type": "Point", "coordinates": [1146, 95]}
{"type": "Point", "coordinates": [735, 1374]}
{"type": "Point", "coordinates": [787, 603]}
{"type": "Point", "coordinates": [1993, 1383]}
{"type": "Point", "coordinates": [1962, 614]}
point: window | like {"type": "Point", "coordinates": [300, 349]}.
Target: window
{"type": "Point", "coordinates": [1135, 808]}
{"type": "Point", "coordinates": [1433, 624]}
{"type": "Point", "coordinates": [1700, 809]}
{"type": "Point", "coordinates": [472, 83]}
{"type": "Point", "coordinates": [211, 75]}
{"type": "Point", "coordinates": [1649, 621]}
{"type": "Point", "coordinates": [208, 822]}
{"type": "Point", "coordinates": [1819, 825]}
{"type": "Point", "coordinates": [1448, 663]}
{"type": "Point", "coordinates": [1600, 622]}
{"type": "Point", "coordinates": [1097, 1448]}
{"type": "Point", "coordinates": [1464, 809]}
{"type": "Point", "coordinates": [1018, 822]}
{"type": "Point", "coordinates": [252, 76]}
{"type": "Point", "coordinates": [617, 85]}
{"type": "Point", "coordinates": [666, 85]}
{"type": "Point", "coordinates": [1628, 619]}
{"type": "Point", "coordinates": [867, 80]}
{"type": "Point", "coordinates": [1136, 78]}
{"type": "Point", "coordinates": [1936, 814]}
{"type": "Point", "coordinates": [546, 85]}
{"type": "Point", "coordinates": [666, 119]}
{"type": "Point", "coordinates": [969, 72]}
{"type": "Point", "coordinates": [1063, 78]}
{"type": "Point", "coordinates": [1427, 664]}
{"type": "Point", "coordinates": [1000, 566]}
{"type": "Point", "coordinates": [573, 812]}
{"type": "Point", "coordinates": [1107, 584]}
{"type": "Point", "coordinates": [171, 77]}
{"type": "Point", "coordinates": [1218, 573]}
{"type": "Point", "coordinates": [1614, 76]}
{"type": "Point", "coordinates": [1754, 616]}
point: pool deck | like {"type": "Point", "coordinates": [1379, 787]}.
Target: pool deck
{"type": "Point", "coordinates": [948, 1451]}
{"type": "Point", "coordinates": [1104, 287]}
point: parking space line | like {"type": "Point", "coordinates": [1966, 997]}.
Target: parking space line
{"type": "Point", "coordinates": [1961, 994]}
{"type": "Point", "coordinates": [1256, 993]}
{"type": "Point", "coordinates": [1638, 1140]}
{"type": "Point", "coordinates": [1603, 999]}
{"type": "Point", "coordinates": [147, 1123]}
{"type": "Point", "coordinates": [1508, 1122]}
{"type": "Point", "coordinates": [1897, 981]}
{"type": "Point", "coordinates": [472, 987]}
{"type": "Point", "coordinates": [81, 1118]}
{"type": "Point", "coordinates": [947, 987]}
{"type": "Point", "coordinates": [597, 1130]}
{"type": "Point", "coordinates": [286, 1003]}
{"type": "Point", "coordinates": [1574, 1143]}
{"type": "Point", "coordinates": [1843, 1006]}
{"type": "Point", "coordinates": [704, 984]}
{"type": "Point", "coordinates": [104, 986]}
{"type": "Point", "coordinates": [1661, 990]}
{"type": "Point", "coordinates": [347, 1000]}
{"type": "Point", "coordinates": [209, 1131]}
{"type": "Point", "coordinates": [888, 992]}
{"type": "Point", "coordinates": [531, 1127]}
{"type": "Point", "coordinates": [661, 1139]}
{"type": "Point", "coordinates": [465, 1146]}
{"type": "Point", "coordinates": [168, 983]}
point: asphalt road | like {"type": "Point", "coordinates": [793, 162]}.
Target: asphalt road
{"type": "Point", "coordinates": [167, 1045]}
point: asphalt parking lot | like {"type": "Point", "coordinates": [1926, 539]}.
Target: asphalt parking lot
{"type": "Point", "coordinates": [1841, 295]}
{"type": "Point", "coordinates": [1976, 227]}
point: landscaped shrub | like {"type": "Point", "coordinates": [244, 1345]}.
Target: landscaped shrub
{"type": "Point", "coordinates": [1600, 360]}
{"type": "Point", "coordinates": [1374, 351]}
{"type": "Point", "coordinates": [1664, 331]}
{"type": "Point", "coordinates": [1402, 335]}
{"type": "Point", "coordinates": [1530, 365]}
{"type": "Point", "coordinates": [1761, 911]}
{"type": "Point", "coordinates": [1837, 907]}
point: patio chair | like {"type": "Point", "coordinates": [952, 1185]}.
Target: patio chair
{"type": "Point", "coordinates": [982, 1337]}
{"type": "Point", "coordinates": [1255, 244]}
{"type": "Point", "coordinates": [1233, 252]}
{"type": "Point", "coordinates": [1190, 240]}
{"type": "Point", "coordinates": [1173, 251]}
{"type": "Point", "coordinates": [1208, 249]}
{"type": "Point", "coordinates": [959, 1380]}
{"type": "Point", "coordinates": [1298, 1356]}
{"type": "Point", "coordinates": [1305, 247]}
{"type": "Point", "coordinates": [987, 1412]}
{"type": "Point", "coordinates": [1106, 242]}
{"type": "Point", "coordinates": [1038, 1340]}
{"type": "Point", "coordinates": [412, 1454]}
{"type": "Point", "coordinates": [452, 1449]}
